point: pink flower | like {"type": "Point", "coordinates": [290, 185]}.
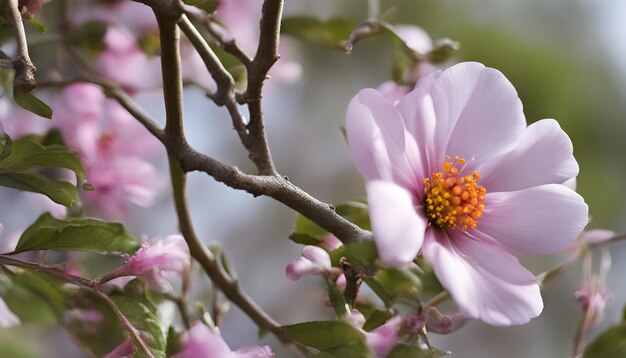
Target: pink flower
{"type": "Point", "coordinates": [153, 261]}
{"type": "Point", "coordinates": [125, 350]}
{"type": "Point", "coordinates": [242, 21]}
{"type": "Point", "coordinates": [444, 324]}
{"type": "Point", "coordinates": [380, 340]}
{"type": "Point", "coordinates": [33, 7]}
{"type": "Point", "coordinates": [314, 261]}
{"type": "Point", "coordinates": [7, 317]}
{"type": "Point", "coordinates": [125, 63]}
{"type": "Point", "coordinates": [200, 341]}
{"type": "Point", "coordinates": [452, 170]}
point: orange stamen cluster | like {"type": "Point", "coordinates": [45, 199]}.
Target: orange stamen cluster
{"type": "Point", "coordinates": [451, 199]}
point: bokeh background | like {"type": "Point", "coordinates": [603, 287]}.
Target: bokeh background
{"type": "Point", "coordinates": [566, 58]}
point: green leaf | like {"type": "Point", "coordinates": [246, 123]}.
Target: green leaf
{"type": "Point", "coordinates": [355, 212]}
{"type": "Point", "coordinates": [399, 282]}
{"type": "Point", "coordinates": [309, 228]}
{"type": "Point", "coordinates": [76, 234]}
{"type": "Point", "coordinates": [90, 36]}
{"type": "Point", "coordinates": [406, 351]}
{"type": "Point", "coordinates": [28, 154]}
{"type": "Point", "coordinates": [173, 342]}
{"type": "Point", "coordinates": [6, 146]}
{"type": "Point", "coordinates": [611, 343]}
{"type": "Point", "coordinates": [144, 315]}
{"type": "Point", "coordinates": [33, 104]}
{"type": "Point", "coordinates": [362, 252]}
{"type": "Point", "coordinates": [304, 239]}
{"type": "Point", "coordinates": [59, 191]}
{"type": "Point", "coordinates": [376, 319]}
{"type": "Point", "coordinates": [41, 27]}
{"type": "Point", "coordinates": [34, 296]}
{"type": "Point", "coordinates": [16, 344]}
{"type": "Point", "coordinates": [348, 351]}
{"type": "Point", "coordinates": [326, 335]}
{"type": "Point", "coordinates": [333, 32]}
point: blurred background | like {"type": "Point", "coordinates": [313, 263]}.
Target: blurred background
{"type": "Point", "coordinates": [567, 60]}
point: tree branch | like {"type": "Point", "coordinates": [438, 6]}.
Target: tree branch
{"type": "Point", "coordinates": [24, 81]}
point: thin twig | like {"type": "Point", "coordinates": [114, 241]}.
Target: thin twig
{"type": "Point", "coordinates": [24, 81]}
{"type": "Point", "coordinates": [84, 283]}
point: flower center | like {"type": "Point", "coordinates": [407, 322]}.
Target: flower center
{"type": "Point", "coordinates": [451, 199]}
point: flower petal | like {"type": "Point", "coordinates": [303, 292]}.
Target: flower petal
{"type": "Point", "coordinates": [398, 228]}
{"type": "Point", "coordinates": [486, 282]}
{"type": "Point", "coordinates": [478, 112]}
{"type": "Point", "coordinates": [541, 220]}
{"type": "Point", "coordinates": [543, 155]}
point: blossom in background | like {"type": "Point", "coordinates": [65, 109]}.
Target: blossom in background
{"type": "Point", "coordinates": [113, 146]}
{"type": "Point", "coordinates": [419, 41]}
{"type": "Point", "coordinates": [33, 7]}
{"type": "Point", "coordinates": [200, 341]}
{"type": "Point", "coordinates": [7, 317]}
{"type": "Point", "coordinates": [453, 171]}
{"type": "Point", "coordinates": [242, 23]}
{"type": "Point", "coordinates": [153, 261]}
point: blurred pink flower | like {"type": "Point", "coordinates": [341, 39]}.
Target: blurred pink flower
{"type": "Point", "coordinates": [125, 350]}
{"type": "Point", "coordinates": [242, 24]}
{"type": "Point", "coordinates": [200, 341]}
{"type": "Point", "coordinates": [125, 63]}
{"type": "Point", "coordinates": [33, 7]}
{"type": "Point", "coordinates": [421, 198]}
{"type": "Point", "coordinates": [444, 324]}
{"type": "Point", "coordinates": [155, 260]}
{"type": "Point", "coordinates": [7, 317]}
{"type": "Point", "coordinates": [597, 236]}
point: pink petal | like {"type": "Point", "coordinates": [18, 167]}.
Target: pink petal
{"type": "Point", "coordinates": [415, 37]}
{"type": "Point", "coordinates": [317, 255]}
{"type": "Point", "coordinates": [384, 338]}
{"type": "Point", "coordinates": [200, 341]}
{"type": "Point", "coordinates": [542, 220]}
{"type": "Point", "coordinates": [478, 112]}
{"type": "Point", "coordinates": [299, 267]}
{"type": "Point", "coordinates": [486, 282]}
{"type": "Point", "coordinates": [392, 91]}
{"type": "Point", "coordinates": [398, 228]}
{"type": "Point", "coordinates": [544, 155]}
{"type": "Point", "coordinates": [254, 352]}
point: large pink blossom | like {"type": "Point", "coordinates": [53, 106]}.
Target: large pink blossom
{"type": "Point", "coordinates": [382, 339]}
{"type": "Point", "coordinates": [200, 341]}
{"type": "Point", "coordinates": [453, 171]}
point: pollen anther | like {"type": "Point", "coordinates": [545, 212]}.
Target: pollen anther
{"type": "Point", "coordinates": [451, 199]}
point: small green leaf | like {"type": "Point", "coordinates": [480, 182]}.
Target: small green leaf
{"type": "Point", "coordinates": [76, 234]}
{"type": "Point", "coordinates": [59, 191]}
{"type": "Point", "coordinates": [90, 36]}
{"type": "Point", "coordinates": [333, 32]}
{"type": "Point", "coordinates": [356, 212]}
{"type": "Point", "coordinates": [173, 342]}
{"type": "Point", "coordinates": [33, 104]}
{"type": "Point", "coordinates": [611, 343]}
{"type": "Point", "coordinates": [28, 154]}
{"type": "Point", "coordinates": [376, 319]}
{"type": "Point", "coordinates": [41, 27]}
{"type": "Point", "coordinates": [304, 239]}
{"type": "Point", "coordinates": [207, 5]}
{"type": "Point", "coordinates": [325, 335]}
{"type": "Point", "coordinates": [308, 227]}
{"type": "Point", "coordinates": [348, 351]}
{"type": "Point", "coordinates": [443, 50]}
{"type": "Point", "coordinates": [399, 282]}
{"type": "Point", "coordinates": [362, 252]}
{"type": "Point", "coordinates": [6, 146]}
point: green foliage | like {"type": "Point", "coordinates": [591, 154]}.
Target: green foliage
{"type": "Point", "coordinates": [376, 318]}
{"type": "Point", "coordinates": [363, 253]}
{"type": "Point", "coordinates": [331, 338]}
{"type": "Point", "coordinates": [76, 234]}
{"type": "Point", "coordinates": [41, 27]}
{"type": "Point", "coordinates": [15, 344]}
{"type": "Point", "coordinates": [398, 282]}
{"type": "Point", "coordinates": [34, 297]}
{"type": "Point", "coordinates": [611, 343]}
{"type": "Point", "coordinates": [89, 36]}
{"type": "Point", "coordinates": [206, 5]}
{"type": "Point", "coordinates": [18, 158]}
{"type": "Point", "coordinates": [337, 300]}
{"type": "Point", "coordinates": [333, 32]}
{"type": "Point", "coordinates": [29, 102]}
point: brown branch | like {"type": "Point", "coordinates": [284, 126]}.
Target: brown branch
{"type": "Point", "coordinates": [24, 81]}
